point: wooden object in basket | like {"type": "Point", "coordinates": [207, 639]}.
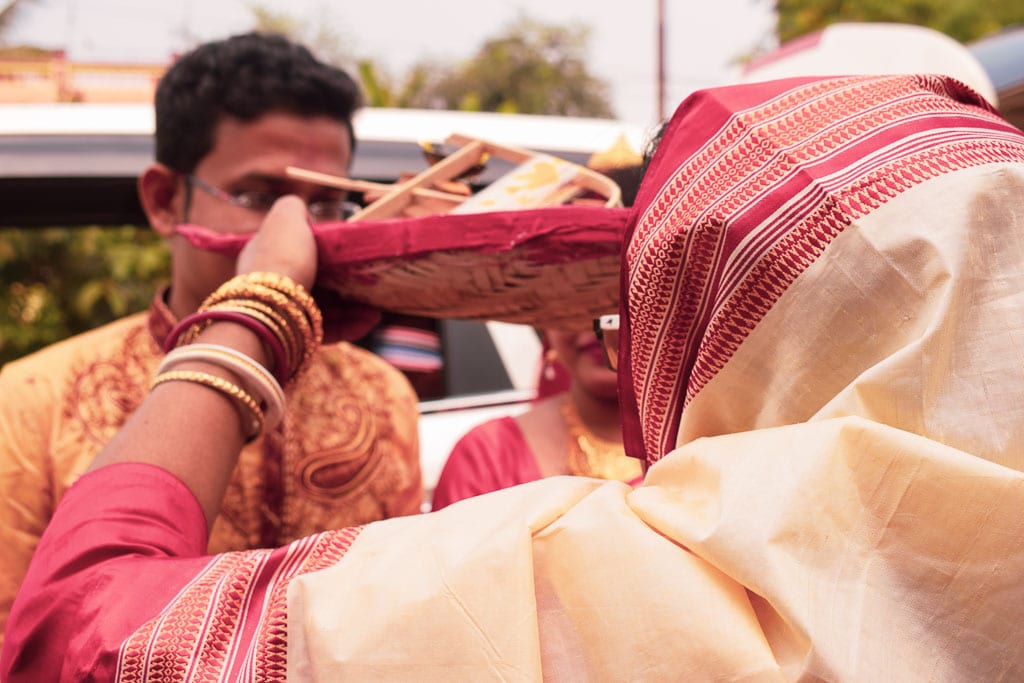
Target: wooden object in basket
{"type": "Point", "coordinates": [537, 180]}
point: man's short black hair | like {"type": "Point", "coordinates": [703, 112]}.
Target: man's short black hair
{"type": "Point", "coordinates": [245, 77]}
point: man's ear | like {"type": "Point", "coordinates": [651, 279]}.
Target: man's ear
{"type": "Point", "coordinates": [161, 195]}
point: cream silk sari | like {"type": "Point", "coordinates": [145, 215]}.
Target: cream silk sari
{"type": "Point", "coordinates": [823, 307]}
{"type": "Point", "coordinates": [825, 299]}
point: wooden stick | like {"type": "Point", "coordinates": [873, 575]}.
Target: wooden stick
{"type": "Point", "coordinates": [401, 194]}
{"type": "Point", "coordinates": [587, 178]}
{"type": "Point", "coordinates": [353, 185]}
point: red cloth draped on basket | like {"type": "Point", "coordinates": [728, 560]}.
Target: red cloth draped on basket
{"type": "Point", "coordinates": [542, 267]}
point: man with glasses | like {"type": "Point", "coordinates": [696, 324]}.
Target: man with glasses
{"type": "Point", "coordinates": [230, 117]}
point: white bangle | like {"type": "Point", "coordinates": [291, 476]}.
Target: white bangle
{"type": "Point", "coordinates": [256, 377]}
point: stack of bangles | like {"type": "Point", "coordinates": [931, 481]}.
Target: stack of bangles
{"type": "Point", "coordinates": [285, 318]}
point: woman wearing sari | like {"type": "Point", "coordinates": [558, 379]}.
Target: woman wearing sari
{"type": "Point", "coordinates": [575, 431]}
{"type": "Point", "coordinates": [822, 326]}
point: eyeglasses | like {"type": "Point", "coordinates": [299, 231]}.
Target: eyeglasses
{"type": "Point", "coordinates": [607, 330]}
{"type": "Point", "coordinates": [260, 201]}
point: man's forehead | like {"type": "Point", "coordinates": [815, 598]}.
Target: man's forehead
{"type": "Point", "coordinates": [270, 143]}
{"type": "Point", "coordinates": [288, 127]}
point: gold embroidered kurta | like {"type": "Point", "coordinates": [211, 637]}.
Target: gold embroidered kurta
{"type": "Point", "coordinates": [346, 454]}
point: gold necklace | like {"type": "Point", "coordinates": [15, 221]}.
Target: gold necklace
{"type": "Point", "coordinates": [592, 456]}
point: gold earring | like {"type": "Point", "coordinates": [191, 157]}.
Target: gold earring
{"type": "Point", "coordinates": [550, 358]}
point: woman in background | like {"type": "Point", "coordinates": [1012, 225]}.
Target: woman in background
{"type": "Point", "coordinates": [574, 425]}
{"type": "Point", "coordinates": [577, 431]}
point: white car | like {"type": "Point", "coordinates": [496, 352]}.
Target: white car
{"type": "Point", "coordinates": [90, 154]}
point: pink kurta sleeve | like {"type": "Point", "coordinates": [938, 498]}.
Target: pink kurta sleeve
{"type": "Point", "coordinates": [489, 457]}
{"type": "Point", "coordinates": [103, 567]}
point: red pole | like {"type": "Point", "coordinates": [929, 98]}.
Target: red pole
{"type": "Point", "coordinates": [661, 60]}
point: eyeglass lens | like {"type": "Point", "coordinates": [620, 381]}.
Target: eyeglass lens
{"type": "Point", "coordinates": [607, 330]}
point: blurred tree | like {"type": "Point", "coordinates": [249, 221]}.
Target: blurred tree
{"type": "Point", "coordinates": [377, 88]}
{"type": "Point", "coordinates": [964, 20]}
{"type": "Point", "coordinates": [57, 282]}
{"type": "Point", "coordinates": [267, 19]}
{"type": "Point", "coordinates": [382, 90]}
{"type": "Point", "coordinates": [318, 33]}
{"type": "Point", "coordinates": [533, 68]}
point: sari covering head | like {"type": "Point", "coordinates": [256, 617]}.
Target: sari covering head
{"type": "Point", "coordinates": [807, 249]}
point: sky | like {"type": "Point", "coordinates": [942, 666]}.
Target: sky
{"type": "Point", "coordinates": [703, 37]}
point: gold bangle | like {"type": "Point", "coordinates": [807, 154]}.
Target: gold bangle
{"type": "Point", "coordinates": [279, 284]}
{"type": "Point", "coordinates": [297, 319]}
{"type": "Point", "coordinates": [256, 379]}
{"type": "Point", "coordinates": [241, 397]}
{"type": "Point", "coordinates": [275, 323]}
{"type": "Point", "coordinates": [298, 323]}
{"type": "Point", "coordinates": [289, 300]}
{"type": "Point", "coordinates": [286, 285]}
{"type": "Point", "coordinates": [280, 325]}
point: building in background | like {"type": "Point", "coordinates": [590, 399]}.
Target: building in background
{"type": "Point", "coordinates": [31, 75]}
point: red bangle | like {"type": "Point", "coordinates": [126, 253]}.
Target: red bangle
{"type": "Point", "coordinates": [171, 340]}
{"type": "Point", "coordinates": [281, 370]}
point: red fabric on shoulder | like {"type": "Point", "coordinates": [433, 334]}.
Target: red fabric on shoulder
{"type": "Point", "coordinates": [92, 580]}
{"type": "Point", "coordinates": [490, 457]}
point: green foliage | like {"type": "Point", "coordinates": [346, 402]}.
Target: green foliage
{"type": "Point", "coordinates": [267, 19]}
{"type": "Point", "coordinates": [56, 282]}
{"type": "Point", "coordinates": [377, 88]}
{"type": "Point", "coordinates": [533, 68]}
{"type": "Point", "coordinates": [964, 20]}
